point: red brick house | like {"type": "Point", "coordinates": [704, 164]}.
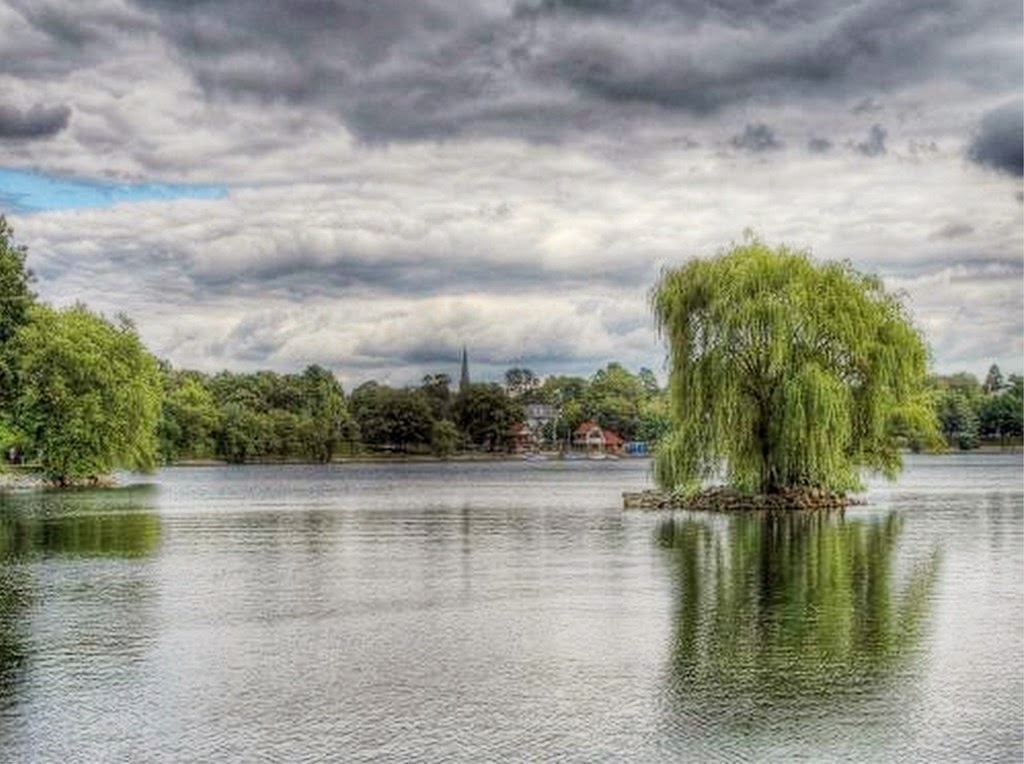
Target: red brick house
{"type": "Point", "coordinates": [590, 437]}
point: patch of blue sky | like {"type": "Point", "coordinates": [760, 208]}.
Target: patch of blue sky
{"type": "Point", "coordinates": [27, 191]}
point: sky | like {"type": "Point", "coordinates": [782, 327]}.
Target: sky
{"type": "Point", "coordinates": [372, 185]}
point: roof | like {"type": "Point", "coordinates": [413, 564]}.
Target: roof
{"type": "Point", "coordinates": [586, 427]}
{"type": "Point", "coordinates": [612, 438]}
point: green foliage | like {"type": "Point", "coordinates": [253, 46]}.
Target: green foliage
{"type": "Point", "coordinates": [962, 382]}
{"type": "Point", "coordinates": [521, 383]}
{"type": "Point", "coordinates": [993, 380]}
{"type": "Point", "coordinates": [631, 405]}
{"type": "Point", "coordinates": [189, 419]}
{"type": "Point", "coordinates": [561, 389]}
{"type": "Point", "coordinates": [968, 411]}
{"type": "Point", "coordinates": [324, 420]}
{"type": "Point", "coordinates": [784, 372]}
{"type": "Point", "coordinates": [655, 419]}
{"type": "Point", "coordinates": [243, 433]}
{"type": "Point", "coordinates": [566, 394]}
{"type": "Point", "coordinates": [245, 417]}
{"type": "Point", "coordinates": [15, 301]}
{"type": "Point", "coordinates": [390, 418]}
{"type": "Point", "coordinates": [648, 381]}
{"type": "Point", "coordinates": [437, 389]}
{"type": "Point", "coordinates": [15, 296]}
{"type": "Point", "coordinates": [444, 438]}
{"type": "Point", "coordinates": [88, 394]}
{"type": "Point", "coordinates": [614, 399]}
{"type": "Point", "coordinates": [958, 418]}
{"type": "Point", "coordinates": [485, 414]}
{"type": "Point", "coordinates": [1001, 414]}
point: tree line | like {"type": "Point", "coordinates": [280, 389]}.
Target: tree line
{"type": "Point", "coordinates": [270, 416]}
{"type": "Point", "coordinates": [81, 396]}
{"type": "Point", "coordinates": [972, 412]}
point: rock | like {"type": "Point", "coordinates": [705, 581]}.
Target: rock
{"type": "Point", "coordinates": [725, 499]}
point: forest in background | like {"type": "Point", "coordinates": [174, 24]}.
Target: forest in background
{"type": "Point", "coordinates": [265, 415]}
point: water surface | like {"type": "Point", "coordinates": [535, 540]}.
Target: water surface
{"type": "Point", "coordinates": [509, 611]}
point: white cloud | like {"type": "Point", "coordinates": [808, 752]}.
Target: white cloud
{"type": "Point", "coordinates": [527, 217]}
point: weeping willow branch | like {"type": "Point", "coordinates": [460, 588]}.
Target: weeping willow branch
{"type": "Point", "coordinates": [785, 373]}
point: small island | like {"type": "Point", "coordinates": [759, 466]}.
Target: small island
{"type": "Point", "coordinates": [787, 379]}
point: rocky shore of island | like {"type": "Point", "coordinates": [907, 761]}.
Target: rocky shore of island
{"type": "Point", "coordinates": [724, 499]}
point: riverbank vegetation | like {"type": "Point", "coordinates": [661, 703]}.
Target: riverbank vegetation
{"type": "Point", "coordinates": [80, 396]}
{"type": "Point", "coordinates": [269, 416]}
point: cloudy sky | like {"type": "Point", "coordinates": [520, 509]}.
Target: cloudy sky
{"type": "Point", "coordinates": [369, 184]}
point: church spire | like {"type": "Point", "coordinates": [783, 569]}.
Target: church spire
{"type": "Point", "coordinates": [464, 376]}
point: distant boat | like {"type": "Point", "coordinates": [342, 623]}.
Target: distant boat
{"type": "Point", "coordinates": [597, 455]}
{"type": "Point", "coordinates": [570, 457]}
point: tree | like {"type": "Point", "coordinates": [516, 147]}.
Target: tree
{"type": "Point", "coordinates": [393, 418]}
{"type": "Point", "coordinates": [88, 394]}
{"type": "Point", "coordinates": [993, 380]}
{"type": "Point", "coordinates": [242, 433]}
{"type": "Point", "coordinates": [784, 372]}
{"type": "Point", "coordinates": [958, 419]}
{"type": "Point", "coordinates": [1002, 415]}
{"type": "Point", "coordinates": [520, 382]}
{"type": "Point", "coordinates": [560, 389]}
{"type": "Point", "coordinates": [485, 413]}
{"type": "Point", "coordinates": [649, 381]}
{"type": "Point", "coordinates": [15, 296]}
{"type": "Point", "coordinates": [444, 438]}
{"type": "Point", "coordinates": [567, 394]}
{"type": "Point", "coordinates": [437, 389]}
{"type": "Point", "coordinates": [189, 418]}
{"type": "Point", "coordinates": [655, 421]}
{"type": "Point", "coordinates": [326, 421]}
{"type": "Point", "coordinates": [614, 398]}
{"type": "Point", "coordinates": [15, 300]}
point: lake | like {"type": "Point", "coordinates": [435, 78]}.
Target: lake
{"type": "Point", "coordinates": [509, 611]}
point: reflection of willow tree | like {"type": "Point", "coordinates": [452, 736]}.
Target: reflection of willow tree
{"type": "Point", "coordinates": [84, 524]}
{"type": "Point", "coordinates": [791, 605]}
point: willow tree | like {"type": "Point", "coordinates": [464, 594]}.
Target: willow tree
{"type": "Point", "coordinates": [785, 373]}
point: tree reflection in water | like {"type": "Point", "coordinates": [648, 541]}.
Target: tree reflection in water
{"type": "Point", "coordinates": [104, 523]}
{"type": "Point", "coordinates": [784, 610]}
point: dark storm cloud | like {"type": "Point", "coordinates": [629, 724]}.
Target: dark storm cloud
{"type": "Point", "coordinates": [547, 350]}
{"type": "Point", "coordinates": [633, 51]}
{"type": "Point", "coordinates": [36, 122]}
{"type": "Point", "coordinates": [254, 338]}
{"type": "Point", "coordinates": [874, 144]}
{"type": "Point", "coordinates": [999, 142]}
{"type": "Point", "coordinates": [298, 278]}
{"type": "Point", "coordinates": [759, 137]}
{"type": "Point", "coordinates": [819, 145]}
{"type": "Point", "coordinates": [977, 264]}
{"type": "Point", "coordinates": [58, 37]}
{"type": "Point", "coordinates": [953, 231]}
{"type": "Point", "coordinates": [867, 106]}
{"type": "Point", "coordinates": [396, 70]}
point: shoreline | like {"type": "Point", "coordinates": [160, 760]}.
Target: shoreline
{"type": "Point", "coordinates": [406, 458]}
{"type": "Point", "coordinates": [24, 478]}
{"type": "Point", "coordinates": [550, 456]}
